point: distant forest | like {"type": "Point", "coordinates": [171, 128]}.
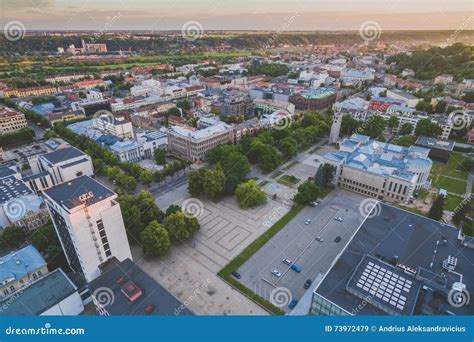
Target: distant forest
{"type": "Point", "coordinates": [165, 41]}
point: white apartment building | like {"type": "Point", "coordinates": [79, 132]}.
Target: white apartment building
{"type": "Point", "coordinates": [62, 165]}
{"type": "Point", "coordinates": [89, 224]}
{"type": "Point", "coordinates": [117, 126]}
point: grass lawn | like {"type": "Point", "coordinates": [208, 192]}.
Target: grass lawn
{"type": "Point", "coordinates": [276, 174]}
{"type": "Point", "coordinates": [288, 180]}
{"type": "Point", "coordinates": [451, 202]}
{"type": "Point", "coordinates": [290, 165]}
{"type": "Point", "coordinates": [450, 168]}
{"type": "Point", "coordinates": [451, 185]}
{"type": "Point", "coordinates": [233, 265]}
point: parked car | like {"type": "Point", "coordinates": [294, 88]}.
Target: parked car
{"type": "Point", "coordinates": [295, 268]}
{"type": "Point", "coordinates": [313, 204]}
{"type": "Point", "coordinates": [276, 273]}
{"type": "Point", "coordinates": [319, 238]}
{"type": "Point", "coordinates": [236, 274]}
{"type": "Point", "coordinates": [338, 219]}
{"type": "Point", "coordinates": [307, 284]}
{"type": "Point", "coordinates": [308, 221]}
{"type": "Point", "coordinates": [337, 239]}
{"type": "Point", "coordinates": [293, 303]}
{"type": "Point", "coordinates": [287, 261]}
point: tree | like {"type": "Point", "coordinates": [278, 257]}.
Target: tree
{"type": "Point", "coordinates": [349, 125]}
{"type": "Point", "coordinates": [311, 134]}
{"type": "Point", "coordinates": [155, 239]}
{"type": "Point", "coordinates": [149, 211]}
{"type": "Point", "coordinates": [406, 129]}
{"type": "Point", "coordinates": [234, 164]}
{"type": "Point", "coordinates": [427, 128]}
{"type": "Point", "coordinates": [160, 156]}
{"type": "Point", "coordinates": [307, 192]}
{"type": "Point", "coordinates": [214, 183]}
{"type": "Point", "coordinates": [195, 182]}
{"type": "Point", "coordinates": [436, 210]}
{"type": "Point", "coordinates": [250, 195]}
{"type": "Point", "coordinates": [324, 175]}
{"type": "Point", "coordinates": [406, 140]}
{"type": "Point", "coordinates": [287, 147]}
{"type": "Point", "coordinates": [309, 119]}
{"type": "Point", "coordinates": [466, 165]}
{"type": "Point", "coordinates": [147, 177]}
{"type": "Point", "coordinates": [43, 237]}
{"type": "Point", "coordinates": [181, 227]}
{"type": "Point", "coordinates": [269, 158]}
{"type": "Point", "coordinates": [173, 208]}
{"type": "Point", "coordinates": [374, 126]}
{"type": "Point", "coordinates": [12, 237]}
{"type": "Point", "coordinates": [393, 122]}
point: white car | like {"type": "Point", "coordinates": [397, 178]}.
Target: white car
{"type": "Point", "coordinates": [276, 273]}
{"type": "Point", "coordinates": [308, 221]}
{"type": "Point", "coordinates": [338, 219]}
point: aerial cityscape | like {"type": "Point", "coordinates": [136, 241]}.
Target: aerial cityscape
{"type": "Point", "coordinates": [237, 159]}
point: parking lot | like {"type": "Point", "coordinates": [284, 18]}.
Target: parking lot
{"type": "Point", "coordinates": [297, 242]}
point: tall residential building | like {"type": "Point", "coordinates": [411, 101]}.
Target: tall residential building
{"type": "Point", "coordinates": [11, 120]}
{"type": "Point", "coordinates": [89, 224]}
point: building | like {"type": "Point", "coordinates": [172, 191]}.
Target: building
{"type": "Point", "coordinates": [335, 128]}
{"type": "Point", "coordinates": [236, 103]}
{"type": "Point", "coordinates": [380, 170]}
{"type": "Point", "coordinates": [66, 77]}
{"type": "Point", "coordinates": [62, 165]}
{"type": "Point", "coordinates": [352, 104]}
{"type": "Point", "coordinates": [408, 99]}
{"type": "Point", "coordinates": [54, 294]}
{"type": "Point", "coordinates": [470, 137]}
{"type": "Point", "coordinates": [19, 206]}
{"type": "Point", "coordinates": [443, 79]}
{"type": "Point", "coordinates": [11, 120]}
{"type": "Point", "coordinates": [89, 224]}
{"type": "Point", "coordinates": [194, 145]}
{"type": "Point", "coordinates": [440, 150]}
{"type": "Point", "coordinates": [263, 106]}
{"type": "Point", "coordinates": [19, 269]}
{"type": "Point", "coordinates": [381, 104]}
{"type": "Point", "coordinates": [130, 151]}
{"type": "Point", "coordinates": [115, 126]}
{"type": "Point", "coordinates": [133, 291]}
{"type": "Point", "coordinates": [314, 99]}
{"type": "Point", "coordinates": [398, 263]}
{"type": "Point", "coordinates": [32, 91]}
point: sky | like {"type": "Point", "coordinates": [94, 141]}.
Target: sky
{"type": "Point", "coordinates": [238, 14]}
